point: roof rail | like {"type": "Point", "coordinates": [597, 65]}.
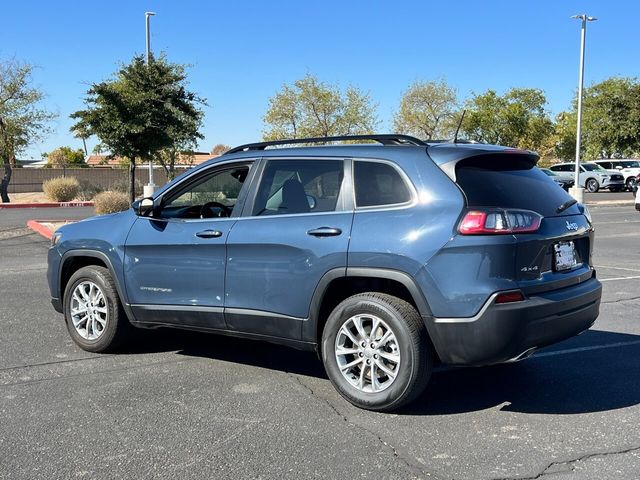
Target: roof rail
{"type": "Point", "coordinates": [386, 139]}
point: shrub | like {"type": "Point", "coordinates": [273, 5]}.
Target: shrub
{"type": "Point", "coordinates": [111, 202]}
{"type": "Point", "coordinates": [123, 186]}
{"type": "Point", "coordinates": [88, 190]}
{"type": "Point", "coordinates": [61, 189]}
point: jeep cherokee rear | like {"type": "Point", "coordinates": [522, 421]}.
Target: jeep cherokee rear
{"type": "Point", "coordinates": [384, 258]}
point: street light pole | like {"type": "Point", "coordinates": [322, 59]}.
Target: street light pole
{"type": "Point", "coordinates": [150, 188]}
{"type": "Point", "coordinates": [578, 191]}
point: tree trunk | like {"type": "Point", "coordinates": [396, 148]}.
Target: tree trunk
{"type": "Point", "coordinates": [4, 183]}
{"type": "Point", "coordinates": [132, 179]}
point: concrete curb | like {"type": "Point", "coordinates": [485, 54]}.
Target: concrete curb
{"type": "Point", "coordinates": [605, 203]}
{"type": "Point", "coordinates": [46, 205]}
{"type": "Point", "coordinates": [38, 227]}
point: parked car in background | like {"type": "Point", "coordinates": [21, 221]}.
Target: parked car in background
{"type": "Point", "coordinates": [562, 182]}
{"type": "Point", "coordinates": [592, 176]}
{"type": "Point", "coordinates": [383, 258]}
{"type": "Point", "coordinates": [634, 189]}
{"type": "Point", "coordinates": [630, 169]}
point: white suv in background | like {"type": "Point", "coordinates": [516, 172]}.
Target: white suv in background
{"type": "Point", "coordinates": [630, 169]}
{"type": "Point", "coordinates": [592, 176]}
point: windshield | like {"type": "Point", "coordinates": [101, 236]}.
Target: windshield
{"type": "Point", "coordinates": [631, 164]}
{"type": "Point", "coordinates": [593, 167]}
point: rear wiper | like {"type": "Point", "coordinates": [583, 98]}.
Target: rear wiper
{"type": "Point", "coordinates": [566, 205]}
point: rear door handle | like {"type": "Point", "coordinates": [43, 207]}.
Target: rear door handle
{"type": "Point", "coordinates": [325, 232]}
{"type": "Point", "coordinates": [209, 234]}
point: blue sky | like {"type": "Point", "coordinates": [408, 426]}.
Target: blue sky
{"type": "Point", "coordinates": [242, 52]}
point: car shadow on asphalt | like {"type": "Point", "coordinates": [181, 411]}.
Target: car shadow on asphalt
{"type": "Point", "coordinates": [572, 377]}
{"type": "Point", "coordinates": [596, 371]}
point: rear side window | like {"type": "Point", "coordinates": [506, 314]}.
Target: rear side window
{"type": "Point", "coordinates": [509, 182]}
{"type": "Point", "coordinates": [299, 186]}
{"type": "Point", "coordinates": [379, 184]}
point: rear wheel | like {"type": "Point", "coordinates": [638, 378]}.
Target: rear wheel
{"type": "Point", "coordinates": [93, 312]}
{"type": "Point", "coordinates": [376, 351]}
{"type": "Point", "coordinates": [592, 185]}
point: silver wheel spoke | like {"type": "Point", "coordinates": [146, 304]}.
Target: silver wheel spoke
{"type": "Point", "coordinates": [347, 332]}
{"type": "Point", "coordinates": [346, 351]}
{"type": "Point", "coordinates": [351, 364]}
{"type": "Point", "coordinates": [357, 321]}
{"type": "Point", "coordinates": [395, 358]}
{"type": "Point", "coordinates": [374, 379]}
{"type": "Point", "coordinates": [390, 373]}
{"type": "Point", "coordinates": [385, 337]}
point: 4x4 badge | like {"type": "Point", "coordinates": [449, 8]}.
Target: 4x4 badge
{"type": "Point", "coordinates": [572, 226]}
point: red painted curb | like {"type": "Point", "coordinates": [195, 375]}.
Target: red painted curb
{"type": "Point", "coordinates": [39, 228]}
{"type": "Point", "coordinates": [46, 205]}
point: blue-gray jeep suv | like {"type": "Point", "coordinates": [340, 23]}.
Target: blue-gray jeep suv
{"type": "Point", "coordinates": [385, 258]}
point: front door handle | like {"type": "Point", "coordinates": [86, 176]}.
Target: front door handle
{"type": "Point", "coordinates": [209, 234]}
{"type": "Point", "coordinates": [325, 232]}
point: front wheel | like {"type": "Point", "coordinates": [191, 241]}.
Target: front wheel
{"type": "Point", "coordinates": [376, 351]}
{"type": "Point", "coordinates": [95, 318]}
{"type": "Point", "coordinates": [592, 185]}
{"type": "Point", "coordinates": [630, 183]}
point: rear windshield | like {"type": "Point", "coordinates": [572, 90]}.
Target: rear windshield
{"type": "Point", "coordinates": [510, 182]}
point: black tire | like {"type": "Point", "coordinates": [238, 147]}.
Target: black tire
{"type": "Point", "coordinates": [416, 357]}
{"type": "Point", "coordinates": [630, 183]}
{"type": "Point", "coordinates": [117, 327]}
{"type": "Point", "coordinates": [592, 185]}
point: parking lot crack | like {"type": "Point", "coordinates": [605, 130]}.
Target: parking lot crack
{"type": "Point", "coordinates": [567, 466]}
{"type": "Point", "coordinates": [418, 470]}
{"type": "Point", "coordinates": [620, 300]}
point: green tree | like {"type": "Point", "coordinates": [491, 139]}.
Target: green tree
{"type": "Point", "coordinates": [610, 121]}
{"type": "Point", "coordinates": [517, 119]}
{"type": "Point", "coordinates": [63, 157]}
{"type": "Point", "coordinates": [143, 110]}
{"type": "Point", "coordinates": [22, 120]}
{"type": "Point", "coordinates": [311, 108]}
{"type": "Point", "coordinates": [428, 110]}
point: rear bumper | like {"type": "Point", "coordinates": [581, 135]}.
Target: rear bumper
{"type": "Point", "coordinates": [503, 332]}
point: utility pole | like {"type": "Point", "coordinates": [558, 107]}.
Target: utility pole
{"type": "Point", "coordinates": [150, 187]}
{"type": "Point", "coordinates": [578, 191]}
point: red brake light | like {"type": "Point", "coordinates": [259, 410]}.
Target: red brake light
{"type": "Point", "coordinates": [499, 222]}
{"type": "Point", "coordinates": [510, 297]}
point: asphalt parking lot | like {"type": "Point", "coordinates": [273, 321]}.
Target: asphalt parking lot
{"type": "Point", "coordinates": [186, 405]}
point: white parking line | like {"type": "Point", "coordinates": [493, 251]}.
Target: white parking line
{"type": "Point", "coordinates": [585, 349]}
{"type": "Point", "coordinates": [618, 278]}
{"type": "Point", "coordinates": [618, 268]}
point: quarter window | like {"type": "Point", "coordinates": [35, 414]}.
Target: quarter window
{"type": "Point", "coordinates": [379, 184]}
{"type": "Point", "coordinates": [299, 186]}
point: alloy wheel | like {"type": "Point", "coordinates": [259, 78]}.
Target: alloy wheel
{"type": "Point", "coordinates": [367, 353]}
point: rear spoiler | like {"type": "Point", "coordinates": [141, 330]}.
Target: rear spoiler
{"type": "Point", "coordinates": [448, 155]}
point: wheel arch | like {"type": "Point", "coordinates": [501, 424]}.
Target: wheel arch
{"type": "Point", "coordinates": [73, 260]}
{"type": "Point", "coordinates": [341, 283]}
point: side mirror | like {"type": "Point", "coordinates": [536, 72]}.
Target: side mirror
{"type": "Point", "coordinates": [145, 207]}
{"type": "Point", "coordinates": [618, 167]}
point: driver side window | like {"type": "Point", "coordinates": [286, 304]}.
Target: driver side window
{"type": "Point", "coordinates": [211, 196]}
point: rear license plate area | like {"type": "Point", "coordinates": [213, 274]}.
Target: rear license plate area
{"type": "Point", "coordinates": [564, 256]}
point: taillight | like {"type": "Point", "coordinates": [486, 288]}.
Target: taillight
{"type": "Point", "coordinates": [496, 221]}
{"type": "Point", "coordinates": [510, 297]}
